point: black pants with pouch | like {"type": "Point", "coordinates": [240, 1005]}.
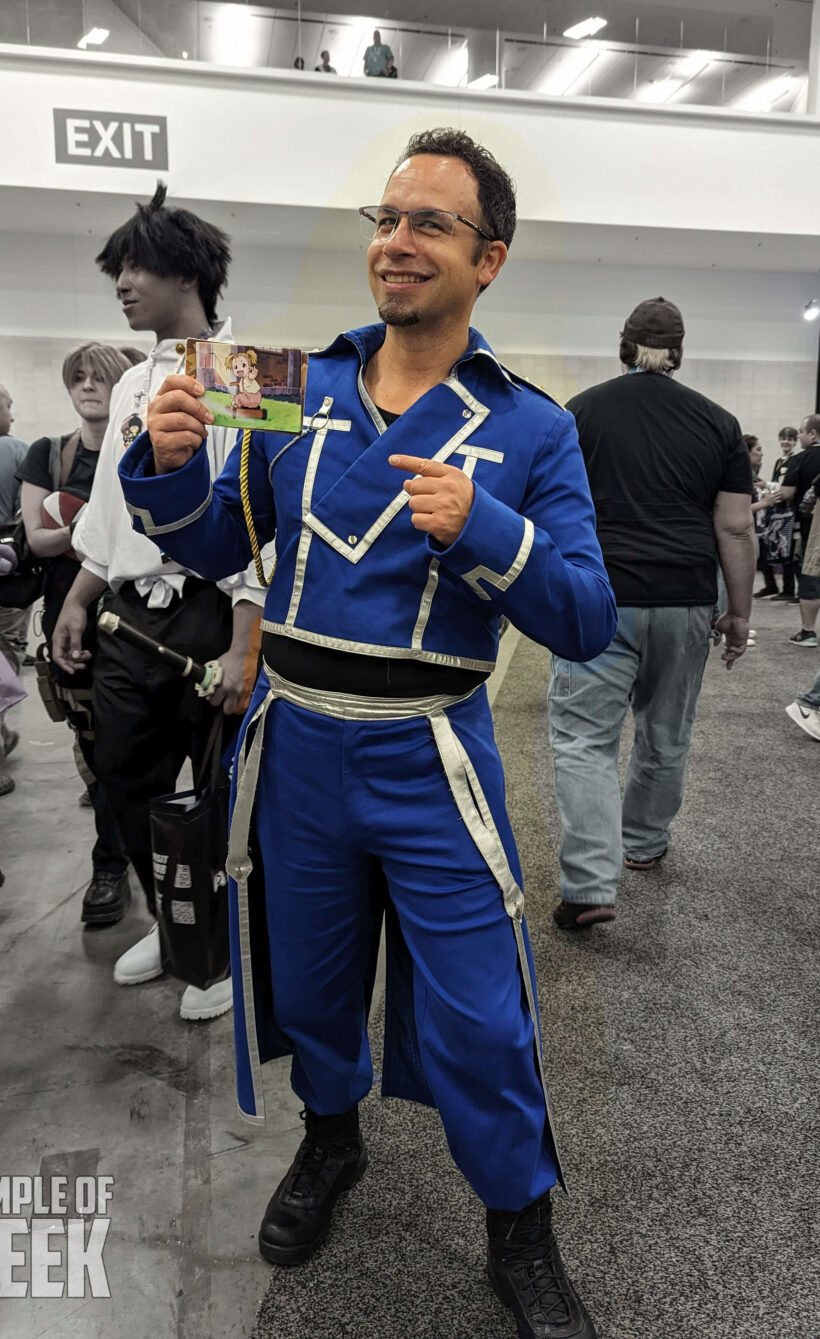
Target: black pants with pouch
{"type": "Point", "coordinates": [148, 718]}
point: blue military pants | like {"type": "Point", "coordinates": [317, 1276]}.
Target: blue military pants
{"type": "Point", "coordinates": [332, 794]}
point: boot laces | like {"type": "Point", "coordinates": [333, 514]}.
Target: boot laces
{"type": "Point", "coordinates": [313, 1167]}
{"type": "Point", "coordinates": [535, 1261]}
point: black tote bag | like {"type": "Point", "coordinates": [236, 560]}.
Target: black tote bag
{"type": "Point", "coordinates": [189, 840]}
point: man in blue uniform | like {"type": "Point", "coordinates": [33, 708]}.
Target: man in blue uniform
{"type": "Point", "coordinates": [430, 494]}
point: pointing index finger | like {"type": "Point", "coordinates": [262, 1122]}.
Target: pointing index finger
{"type": "Point", "coordinates": [418, 465]}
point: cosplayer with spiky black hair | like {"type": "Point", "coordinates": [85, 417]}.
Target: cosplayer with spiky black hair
{"type": "Point", "coordinates": [169, 244]}
{"type": "Point", "coordinates": [169, 268]}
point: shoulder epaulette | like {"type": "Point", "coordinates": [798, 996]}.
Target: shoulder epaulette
{"type": "Point", "coordinates": [531, 385]}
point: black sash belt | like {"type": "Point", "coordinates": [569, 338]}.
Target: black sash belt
{"type": "Point", "coordinates": [370, 676]}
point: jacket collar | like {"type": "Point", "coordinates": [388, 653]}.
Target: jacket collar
{"type": "Point", "coordinates": [167, 348]}
{"type": "Point", "coordinates": [368, 338]}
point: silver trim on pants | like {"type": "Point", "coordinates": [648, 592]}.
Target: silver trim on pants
{"type": "Point", "coordinates": [466, 791]}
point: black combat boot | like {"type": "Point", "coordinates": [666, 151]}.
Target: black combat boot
{"type": "Point", "coordinates": [330, 1159]}
{"type": "Point", "coordinates": [527, 1274]}
{"type": "Point", "coordinates": [106, 899]}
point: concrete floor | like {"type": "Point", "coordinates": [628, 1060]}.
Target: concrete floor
{"type": "Point", "coordinates": [98, 1079]}
{"type": "Point", "coordinates": [101, 1079]}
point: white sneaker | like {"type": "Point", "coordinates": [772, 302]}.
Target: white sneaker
{"type": "Point", "coordinates": [808, 718]}
{"type": "Point", "coordinates": [142, 962]}
{"type": "Point", "coordinates": [197, 1005]}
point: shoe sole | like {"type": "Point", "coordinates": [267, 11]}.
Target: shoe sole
{"type": "Point", "coordinates": [810, 646]}
{"type": "Point", "coordinates": [203, 1016]}
{"type": "Point", "coordinates": [588, 918]}
{"type": "Point", "coordinates": [138, 980]}
{"type": "Point", "coordinates": [88, 918]}
{"type": "Point", "coordinates": [297, 1255]}
{"type": "Point", "coordinates": [642, 865]}
{"type": "Point", "coordinates": [794, 714]}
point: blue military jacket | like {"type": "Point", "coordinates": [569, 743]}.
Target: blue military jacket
{"type": "Point", "coordinates": [352, 572]}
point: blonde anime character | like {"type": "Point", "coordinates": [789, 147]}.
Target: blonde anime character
{"type": "Point", "coordinates": [243, 373]}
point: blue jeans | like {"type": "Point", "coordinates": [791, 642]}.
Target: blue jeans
{"type": "Point", "coordinates": [655, 662]}
{"type": "Point", "coordinates": [812, 697]}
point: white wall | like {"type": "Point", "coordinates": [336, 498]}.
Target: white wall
{"type": "Point", "coordinates": [746, 345]}
{"type": "Point", "coordinates": [272, 137]}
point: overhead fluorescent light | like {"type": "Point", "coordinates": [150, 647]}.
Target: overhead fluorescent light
{"type": "Point", "coordinates": [693, 64]}
{"type": "Point", "coordinates": [484, 81]}
{"type": "Point", "coordinates": [811, 311]}
{"type": "Point", "coordinates": [661, 90]}
{"type": "Point", "coordinates": [94, 37]}
{"type": "Point", "coordinates": [236, 36]}
{"type": "Point", "coordinates": [587, 28]}
{"type": "Point", "coordinates": [763, 96]}
{"type": "Point", "coordinates": [566, 69]}
{"type": "Point", "coordinates": [453, 69]}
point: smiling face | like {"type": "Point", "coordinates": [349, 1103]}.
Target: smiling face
{"type": "Point", "coordinates": [89, 396]}
{"type": "Point", "coordinates": [431, 280]}
{"type": "Point", "coordinates": [241, 366]}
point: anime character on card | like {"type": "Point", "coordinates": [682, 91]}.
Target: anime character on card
{"type": "Point", "coordinates": [245, 378]}
{"type": "Point", "coordinates": [249, 387]}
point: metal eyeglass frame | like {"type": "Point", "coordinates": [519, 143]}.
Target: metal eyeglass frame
{"type": "Point", "coordinates": [368, 212]}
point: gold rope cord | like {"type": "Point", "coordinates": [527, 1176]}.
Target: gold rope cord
{"type": "Point", "coordinates": [244, 491]}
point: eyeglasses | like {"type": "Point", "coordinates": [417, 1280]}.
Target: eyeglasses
{"type": "Point", "coordinates": [378, 223]}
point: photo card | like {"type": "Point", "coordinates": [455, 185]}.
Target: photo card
{"type": "Point", "coordinates": [247, 386]}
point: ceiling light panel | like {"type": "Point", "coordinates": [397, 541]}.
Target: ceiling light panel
{"type": "Point", "coordinates": [565, 69]}
{"type": "Point", "coordinates": [587, 28]}
{"type": "Point", "coordinates": [94, 37]}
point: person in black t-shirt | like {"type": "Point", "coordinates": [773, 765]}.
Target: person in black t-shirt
{"type": "Point", "coordinates": [671, 481]}
{"type": "Point", "coordinates": [57, 473]}
{"type": "Point", "coordinates": [801, 473]}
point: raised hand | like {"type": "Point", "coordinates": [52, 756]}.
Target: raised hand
{"type": "Point", "coordinates": [177, 422]}
{"type": "Point", "coordinates": [440, 498]}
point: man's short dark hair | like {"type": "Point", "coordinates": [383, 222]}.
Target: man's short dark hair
{"type": "Point", "coordinates": [634, 355]}
{"type": "Point", "coordinates": [171, 242]}
{"type": "Point", "coordinates": [496, 191]}
{"type": "Point", "coordinates": [789, 433]}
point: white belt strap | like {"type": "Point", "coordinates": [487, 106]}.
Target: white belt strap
{"type": "Point", "coordinates": [473, 807]}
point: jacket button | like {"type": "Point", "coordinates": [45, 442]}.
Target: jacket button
{"type": "Point", "coordinates": [180, 348]}
{"type": "Point", "coordinates": [353, 539]}
{"type": "Point", "coordinates": [466, 413]}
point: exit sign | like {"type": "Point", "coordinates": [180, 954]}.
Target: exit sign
{"type": "Point", "coordinates": [110, 139]}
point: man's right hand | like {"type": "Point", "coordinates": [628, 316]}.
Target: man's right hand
{"type": "Point", "coordinates": [735, 633]}
{"type": "Point", "coordinates": [67, 639]}
{"type": "Point", "coordinates": [177, 422]}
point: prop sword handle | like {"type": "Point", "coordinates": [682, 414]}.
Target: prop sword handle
{"type": "Point", "coordinates": [188, 668]}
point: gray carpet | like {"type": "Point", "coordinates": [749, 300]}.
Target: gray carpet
{"type": "Point", "coordinates": [681, 1043]}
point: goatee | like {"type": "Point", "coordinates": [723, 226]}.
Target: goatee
{"type": "Point", "coordinates": [393, 313]}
